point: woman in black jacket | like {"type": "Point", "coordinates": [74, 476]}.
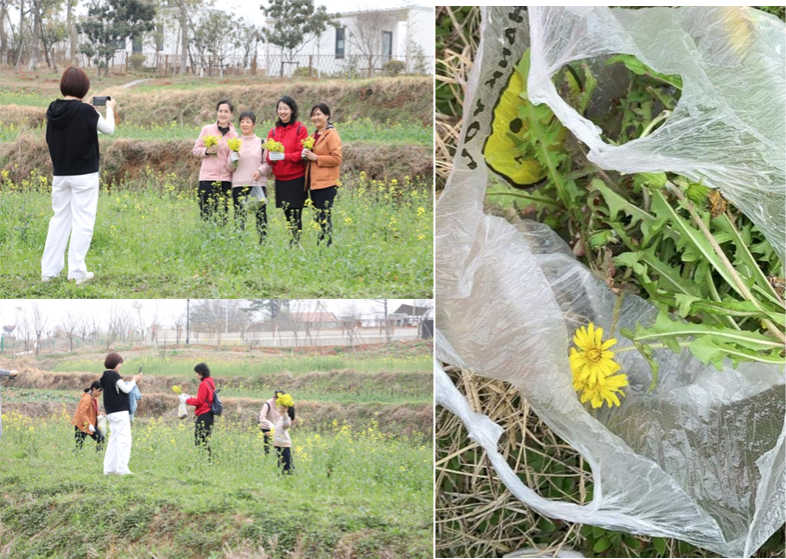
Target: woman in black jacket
{"type": "Point", "coordinates": [72, 136]}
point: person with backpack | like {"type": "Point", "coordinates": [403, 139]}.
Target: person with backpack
{"type": "Point", "coordinates": [290, 171]}
{"type": "Point", "coordinates": [281, 440]}
{"type": "Point", "coordinates": [268, 417]}
{"type": "Point", "coordinates": [205, 411]}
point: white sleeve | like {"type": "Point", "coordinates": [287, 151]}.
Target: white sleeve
{"type": "Point", "coordinates": [107, 125]}
{"type": "Point", "coordinates": [125, 386]}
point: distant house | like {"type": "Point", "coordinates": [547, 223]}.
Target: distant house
{"type": "Point", "coordinates": [408, 315]}
{"type": "Point", "coordinates": [364, 42]}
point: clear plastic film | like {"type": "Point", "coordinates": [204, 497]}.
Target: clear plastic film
{"type": "Point", "coordinates": [700, 458]}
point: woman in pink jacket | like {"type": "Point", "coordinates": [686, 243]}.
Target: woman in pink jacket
{"type": "Point", "coordinates": [215, 181]}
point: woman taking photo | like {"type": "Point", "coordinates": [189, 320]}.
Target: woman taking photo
{"type": "Point", "coordinates": [214, 162]}
{"type": "Point", "coordinates": [322, 169]}
{"type": "Point", "coordinates": [116, 390]}
{"type": "Point", "coordinates": [5, 373]}
{"type": "Point", "coordinates": [85, 420]}
{"type": "Point", "coordinates": [290, 171]}
{"type": "Point", "coordinates": [72, 129]}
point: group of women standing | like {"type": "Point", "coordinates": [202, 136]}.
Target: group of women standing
{"type": "Point", "coordinates": [300, 172]}
{"type": "Point", "coordinates": [275, 419]}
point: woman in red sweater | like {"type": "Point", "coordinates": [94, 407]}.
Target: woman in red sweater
{"type": "Point", "coordinates": [290, 172]}
{"type": "Point", "coordinates": [203, 402]}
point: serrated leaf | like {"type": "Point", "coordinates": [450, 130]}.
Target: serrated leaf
{"type": "Point", "coordinates": [693, 243]}
{"type": "Point", "coordinates": [617, 204]}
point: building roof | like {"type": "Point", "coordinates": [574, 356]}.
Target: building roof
{"type": "Point", "coordinates": [411, 310]}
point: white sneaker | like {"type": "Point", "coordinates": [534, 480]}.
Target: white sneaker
{"type": "Point", "coordinates": [47, 279]}
{"type": "Point", "coordinates": [87, 277]}
{"type": "Point", "coordinates": [129, 473]}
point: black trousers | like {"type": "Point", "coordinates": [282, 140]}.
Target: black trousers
{"type": "Point", "coordinates": [294, 223]}
{"type": "Point", "coordinates": [285, 459]}
{"type": "Point", "coordinates": [213, 196]}
{"type": "Point", "coordinates": [323, 203]}
{"type": "Point", "coordinates": [80, 435]}
{"type": "Point", "coordinates": [238, 198]}
{"type": "Point", "coordinates": [203, 431]}
{"type": "Point", "coordinates": [268, 438]}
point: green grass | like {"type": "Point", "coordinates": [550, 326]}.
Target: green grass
{"type": "Point", "coordinates": [365, 131]}
{"type": "Point", "coordinates": [149, 242]}
{"type": "Point", "coordinates": [240, 367]}
{"type": "Point", "coordinates": [11, 394]}
{"type": "Point", "coordinates": [363, 491]}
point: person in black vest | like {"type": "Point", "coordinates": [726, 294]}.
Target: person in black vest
{"type": "Point", "coordinates": [203, 402]}
{"type": "Point", "coordinates": [116, 391]}
{"type": "Point", "coordinates": [72, 136]}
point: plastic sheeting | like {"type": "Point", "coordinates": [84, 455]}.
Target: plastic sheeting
{"type": "Point", "coordinates": [701, 458]}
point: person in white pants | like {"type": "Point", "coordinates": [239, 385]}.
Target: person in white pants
{"type": "Point", "coordinates": [116, 390]}
{"type": "Point", "coordinates": [72, 136]}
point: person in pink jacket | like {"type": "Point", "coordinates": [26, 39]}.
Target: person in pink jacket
{"type": "Point", "coordinates": [249, 169]}
{"type": "Point", "coordinates": [215, 180]}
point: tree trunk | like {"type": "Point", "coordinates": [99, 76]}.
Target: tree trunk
{"type": "Point", "coordinates": [72, 37]}
{"type": "Point", "coordinates": [183, 37]}
{"type": "Point", "coordinates": [20, 42]}
{"type": "Point", "coordinates": [3, 35]}
{"type": "Point", "coordinates": [35, 53]}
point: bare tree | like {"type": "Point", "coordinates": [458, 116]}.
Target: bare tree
{"type": "Point", "coordinates": [366, 35]}
{"type": "Point", "coordinates": [386, 324]}
{"type": "Point", "coordinates": [39, 323]}
{"type": "Point", "coordinates": [70, 324]}
{"type": "Point", "coordinates": [119, 322]}
{"type": "Point", "coordinates": [178, 321]}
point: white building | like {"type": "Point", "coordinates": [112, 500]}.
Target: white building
{"type": "Point", "coordinates": [364, 42]}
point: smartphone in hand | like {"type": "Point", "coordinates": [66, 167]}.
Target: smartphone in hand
{"type": "Point", "coordinates": [100, 100]}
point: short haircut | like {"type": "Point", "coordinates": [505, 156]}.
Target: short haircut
{"type": "Point", "coordinates": [289, 102]}
{"type": "Point", "coordinates": [112, 360]}
{"type": "Point", "coordinates": [248, 114]}
{"type": "Point", "coordinates": [322, 107]}
{"type": "Point", "coordinates": [203, 370]}
{"type": "Point", "coordinates": [226, 102]}
{"type": "Point", "coordinates": [74, 82]}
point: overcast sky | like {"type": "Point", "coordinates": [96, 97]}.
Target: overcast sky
{"type": "Point", "coordinates": [56, 309]}
{"type": "Point", "coordinates": [250, 9]}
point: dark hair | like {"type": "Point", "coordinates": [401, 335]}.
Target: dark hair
{"type": "Point", "coordinates": [74, 82]}
{"type": "Point", "coordinates": [247, 114]}
{"type": "Point", "coordinates": [322, 107]}
{"type": "Point", "coordinates": [290, 410]}
{"type": "Point", "coordinates": [203, 370]}
{"type": "Point", "coordinates": [112, 360]}
{"type": "Point", "coordinates": [226, 102]}
{"type": "Point", "coordinates": [96, 384]}
{"type": "Point", "coordinates": [289, 102]}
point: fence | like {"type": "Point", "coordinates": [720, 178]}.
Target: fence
{"type": "Point", "coordinates": [261, 65]}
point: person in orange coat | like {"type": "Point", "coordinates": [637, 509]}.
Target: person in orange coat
{"type": "Point", "coordinates": [85, 420]}
{"type": "Point", "coordinates": [322, 169]}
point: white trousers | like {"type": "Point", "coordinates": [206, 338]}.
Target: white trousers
{"type": "Point", "coordinates": [74, 201]}
{"type": "Point", "coordinates": [118, 452]}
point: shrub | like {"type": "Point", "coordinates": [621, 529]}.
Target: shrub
{"type": "Point", "coordinates": [393, 67]}
{"type": "Point", "coordinates": [136, 61]}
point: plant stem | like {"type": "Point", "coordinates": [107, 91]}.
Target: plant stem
{"type": "Point", "coordinates": [653, 346]}
{"type": "Point", "coordinates": [526, 197]}
{"type": "Point", "coordinates": [725, 261]}
{"type": "Point", "coordinates": [655, 121]}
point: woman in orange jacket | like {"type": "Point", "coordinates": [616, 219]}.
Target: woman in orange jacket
{"type": "Point", "coordinates": [322, 169]}
{"type": "Point", "coordinates": [85, 420]}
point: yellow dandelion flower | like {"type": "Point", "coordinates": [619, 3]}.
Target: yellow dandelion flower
{"type": "Point", "coordinates": [594, 369]}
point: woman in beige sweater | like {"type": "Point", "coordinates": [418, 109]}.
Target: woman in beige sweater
{"type": "Point", "coordinates": [281, 439]}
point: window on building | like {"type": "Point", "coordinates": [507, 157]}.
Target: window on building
{"type": "Point", "coordinates": [340, 42]}
{"type": "Point", "coordinates": [136, 45]}
{"type": "Point", "coordinates": [387, 46]}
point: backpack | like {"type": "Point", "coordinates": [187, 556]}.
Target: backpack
{"type": "Point", "coordinates": [216, 408]}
